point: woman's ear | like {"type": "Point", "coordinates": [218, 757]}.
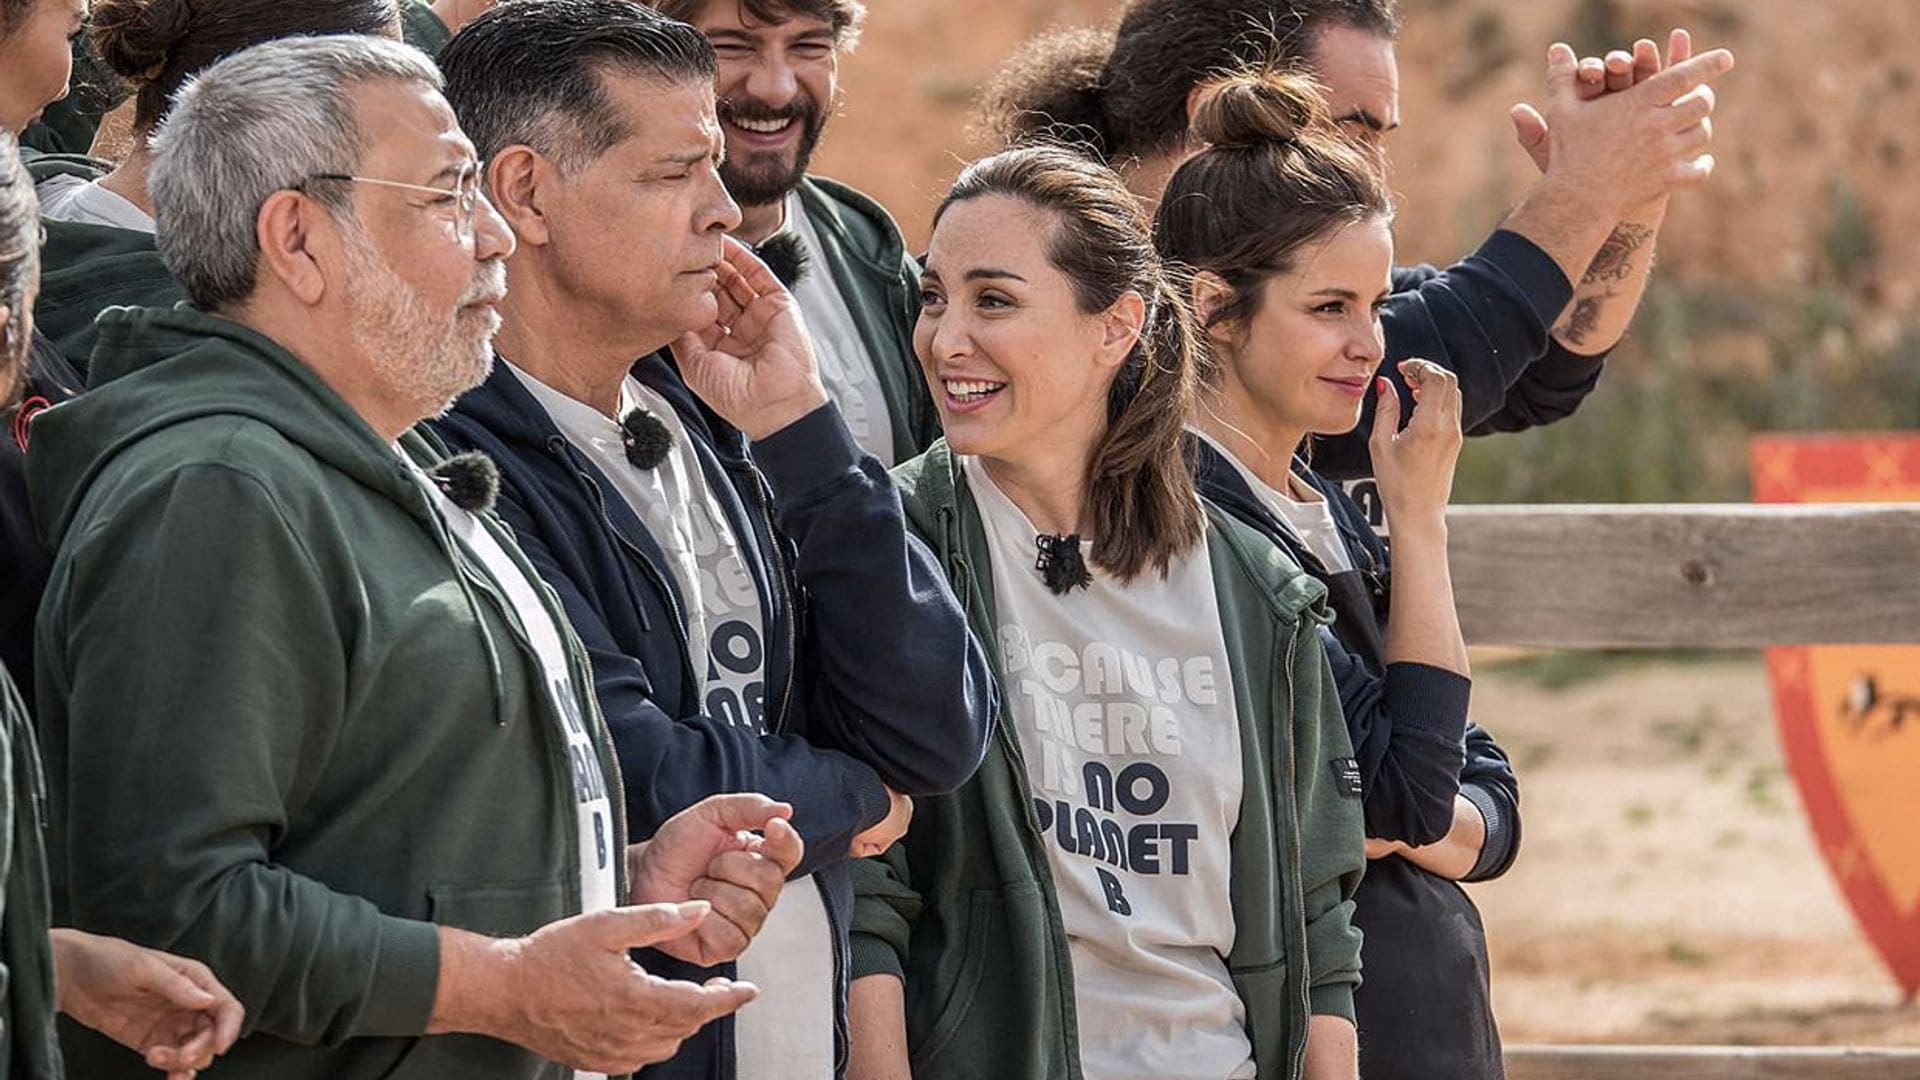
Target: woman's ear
{"type": "Point", "coordinates": [517, 179]}
{"type": "Point", "coordinates": [1121, 327]}
{"type": "Point", "coordinates": [1211, 295]}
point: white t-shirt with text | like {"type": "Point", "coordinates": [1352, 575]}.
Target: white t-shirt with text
{"type": "Point", "coordinates": [1122, 700]}
{"type": "Point", "coordinates": [598, 880]}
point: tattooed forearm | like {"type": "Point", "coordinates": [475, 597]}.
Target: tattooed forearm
{"type": "Point", "coordinates": [1615, 260]}
{"type": "Point", "coordinates": [1582, 320]}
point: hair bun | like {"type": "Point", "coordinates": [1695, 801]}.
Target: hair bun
{"type": "Point", "coordinates": [1259, 108]}
{"type": "Point", "coordinates": [136, 38]}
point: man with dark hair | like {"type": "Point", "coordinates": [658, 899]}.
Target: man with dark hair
{"type": "Point", "coordinates": [309, 716]}
{"type": "Point", "coordinates": [840, 252]}
{"type": "Point", "coordinates": [757, 619]}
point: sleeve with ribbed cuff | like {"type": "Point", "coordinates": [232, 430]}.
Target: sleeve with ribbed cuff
{"type": "Point", "coordinates": [1551, 389]}
{"type": "Point", "coordinates": [1503, 834]}
{"type": "Point", "coordinates": [1487, 780]}
{"type": "Point", "coordinates": [1406, 728]}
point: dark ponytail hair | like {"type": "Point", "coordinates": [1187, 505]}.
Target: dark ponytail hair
{"type": "Point", "coordinates": [19, 261]}
{"type": "Point", "coordinates": [1141, 507]}
{"type": "Point", "coordinates": [1123, 91]}
{"type": "Point", "coordinates": [1277, 174]}
{"type": "Point", "coordinates": [156, 45]}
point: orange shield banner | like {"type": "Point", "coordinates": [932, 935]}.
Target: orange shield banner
{"type": "Point", "coordinates": [1850, 715]}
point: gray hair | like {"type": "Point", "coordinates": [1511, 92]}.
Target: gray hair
{"type": "Point", "coordinates": [263, 120]}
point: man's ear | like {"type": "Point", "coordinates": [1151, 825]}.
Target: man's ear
{"type": "Point", "coordinates": [1122, 324]}
{"type": "Point", "coordinates": [293, 247]}
{"type": "Point", "coordinates": [519, 180]}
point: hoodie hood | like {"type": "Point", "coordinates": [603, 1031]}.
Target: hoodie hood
{"type": "Point", "coordinates": [861, 225]}
{"type": "Point", "coordinates": [154, 369]}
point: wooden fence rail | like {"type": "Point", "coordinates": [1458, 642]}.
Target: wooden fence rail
{"type": "Point", "coordinates": [1707, 1063]}
{"type": "Point", "coordinates": [1730, 577]}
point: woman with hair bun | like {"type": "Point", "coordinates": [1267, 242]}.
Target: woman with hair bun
{"type": "Point", "coordinates": [1514, 320]}
{"type": "Point", "coordinates": [1149, 877]}
{"type": "Point", "coordinates": [1285, 226]}
{"type": "Point", "coordinates": [100, 248]}
{"type": "Point", "coordinates": [171, 1010]}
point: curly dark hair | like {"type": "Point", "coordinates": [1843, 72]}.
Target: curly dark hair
{"type": "Point", "coordinates": [845, 16]}
{"type": "Point", "coordinates": [1124, 92]}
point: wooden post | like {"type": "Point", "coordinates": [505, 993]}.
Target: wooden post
{"type": "Point", "coordinates": [1714, 577]}
{"type": "Point", "coordinates": [1708, 1063]}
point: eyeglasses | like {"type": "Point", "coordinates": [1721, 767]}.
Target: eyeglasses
{"type": "Point", "coordinates": [466, 196]}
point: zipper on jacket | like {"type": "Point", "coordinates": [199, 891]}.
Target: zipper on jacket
{"type": "Point", "coordinates": [468, 580]}
{"type": "Point", "coordinates": [558, 446]}
{"type": "Point", "coordinates": [580, 675]}
{"type": "Point", "coordinates": [1042, 866]}
{"type": "Point", "coordinates": [1297, 961]}
{"type": "Point", "coordinates": [792, 588]}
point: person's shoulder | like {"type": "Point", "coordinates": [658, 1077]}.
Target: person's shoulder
{"type": "Point", "coordinates": [927, 483]}
{"type": "Point", "coordinates": [856, 214]}
{"type": "Point", "coordinates": [1257, 562]}
{"type": "Point", "coordinates": [421, 28]}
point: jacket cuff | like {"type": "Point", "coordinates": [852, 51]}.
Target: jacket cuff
{"type": "Point", "coordinates": [1535, 276]}
{"type": "Point", "coordinates": [873, 956]}
{"type": "Point", "coordinates": [1572, 370]}
{"type": "Point", "coordinates": [406, 976]}
{"type": "Point", "coordinates": [1503, 834]}
{"type": "Point", "coordinates": [1333, 999]}
{"type": "Point", "coordinates": [869, 793]}
{"type": "Point", "coordinates": [1429, 699]}
{"type": "Point", "coordinates": [809, 453]}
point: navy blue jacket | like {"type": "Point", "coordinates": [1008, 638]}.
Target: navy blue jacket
{"type": "Point", "coordinates": [1424, 1009]}
{"type": "Point", "coordinates": [1489, 319]}
{"type": "Point", "coordinates": [872, 676]}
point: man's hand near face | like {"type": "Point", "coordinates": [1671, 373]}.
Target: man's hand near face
{"type": "Point", "coordinates": [710, 852]}
{"type": "Point", "coordinates": [754, 366]}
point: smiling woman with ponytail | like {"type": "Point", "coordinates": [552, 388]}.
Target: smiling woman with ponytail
{"type": "Point", "coordinates": [1180, 912]}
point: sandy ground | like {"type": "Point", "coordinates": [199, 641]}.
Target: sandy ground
{"type": "Point", "coordinates": [1669, 890]}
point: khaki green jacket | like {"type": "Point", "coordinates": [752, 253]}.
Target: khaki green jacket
{"type": "Point", "coordinates": [965, 911]}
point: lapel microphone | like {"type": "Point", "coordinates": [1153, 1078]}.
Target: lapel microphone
{"type": "Point", "coordinates": [646, 438]}
{"type": "Point", "coordinates": [1060, 563]}
{"type": "Point", "coordinates": [470, 481]}
{"type": "Point", "coordinates": [786, 255]}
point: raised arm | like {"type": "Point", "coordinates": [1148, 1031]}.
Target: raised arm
{"type": "Point", "coordinates": [896, 678]}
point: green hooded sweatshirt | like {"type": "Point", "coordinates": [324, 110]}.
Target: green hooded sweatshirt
{"type": "Point", "coordinates": [85, 269]}
{"type": "Point", "coordinates": [964, 908]}
{"type": "Point", "coordinates": [289, 724]}
{"type": "Point", "coordinates": [27, 1047]}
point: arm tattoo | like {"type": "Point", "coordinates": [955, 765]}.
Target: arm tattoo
{"type": "Point", "coordinates": [1582, 320]}
{"type": "Point", "coordinates": [1615, 260]}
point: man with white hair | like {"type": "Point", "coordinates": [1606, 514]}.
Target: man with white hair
{"type": "Point", "coordinates": [310, 716]}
